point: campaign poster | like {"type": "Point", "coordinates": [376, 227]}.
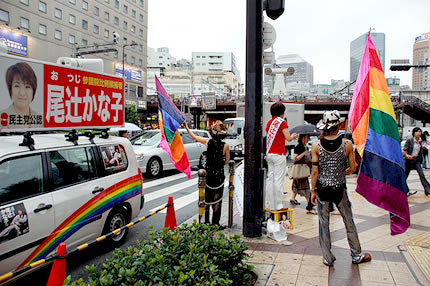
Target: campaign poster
{"type": "Point", "coordinates": [113, 157]}
{"type": "Point", "coordinates": [13, 222]}
{"type": "Point", "coordinates": [39, 96]}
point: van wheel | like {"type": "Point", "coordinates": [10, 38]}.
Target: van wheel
{"type": "Point", "coordinates": [203, 161]}
{"type": "Point", "coordinates": [116, 219]}
{"type": "Point", "coordinates": [154, 167]}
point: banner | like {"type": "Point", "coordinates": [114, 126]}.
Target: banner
{"type": "Point", "coordinates": [16, 43]}
{"type": "Point", "coordinates": [42, 96]}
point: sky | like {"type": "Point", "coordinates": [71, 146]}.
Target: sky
{"type": "Point", "coordinates": [320, 31]}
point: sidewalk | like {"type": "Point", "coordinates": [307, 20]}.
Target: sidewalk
{"type": "Point", "coordinates": [396, 260]}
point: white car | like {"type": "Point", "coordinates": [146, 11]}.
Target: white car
{"type": "Point", "coordinates": [153, 160]}
{"type": "Point", "coordinates": [62, 191]}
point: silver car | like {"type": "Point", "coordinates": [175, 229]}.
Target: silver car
{"type": "Point", "coordinates": [152, 160]}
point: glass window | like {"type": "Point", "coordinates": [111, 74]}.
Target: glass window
{"type": "Point", "coordinates": [125, 9]}
{"type": "Point", "coordinates": [71, 39]}
{"type": "Point", "coordinates": [125, 40]}
{"type": "Point", "coordinates": [106, 33]}
{"type": "Point", "coordinates": [84, 42]}
{"type": "Point", "coordinates": [107, 16]}
{"type": "Point", "coordinates": [72, 1]}
{"type": "Point", "coordinates": [85, 24]}
{"type": "Point", "coordinates": [42, 6]}
{"type": "Point", "coordinates": [116, 4]}
{"type": "Point", "coordinates": [186, 138]}
{"type": "Point", "coordinates": [85, 5]}
{"type": "Point", "coordinates": [96, 29]}
{"type": "Point", "coordinates": [20, 177]}
{"type": "Point", "coordinates": [58, 13]}
{"type": "Point", "coordinates": [125, 25]}
{"type": "Point", "coordinates": [133, 13]}
{"type": "Point", "coordinates": [25, 23]}
{"type": "Point", "coordinates": [133, 28]}
{"type": "Point", "coordinates": [24, 2]}
{"type": "Point", "coordinates": [140, 33]}
{"type": "Point", "coordinates": [116, 20]}
{"type": "Point", "coordinates": [72, 166]}
{"type": "Point", "coordinates": [141, 18]}
{"type": "Point", "coordinates": [42, 29]}
{"type": "Point", "coordinates": [96, 10]}
{"type": "Point", "coordinates": [133, 60]}
{"type": "Point", "coordinates": [141, 48]}
{"type": "Point", "coordinates": [141, 3]}
{"type": "Point", "coordinates": [4, 16]}
{"type": "Point", "coordinates": [114, 158]}
{"type": "Point", "coordinates": [72, 19]}
{"type": "Point", "coordinates": [140, 63]}
{"type": "Point", "coordinates": [58, 35]}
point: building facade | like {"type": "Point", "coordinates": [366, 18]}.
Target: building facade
{"type": "Point", "coordinates": [420, 77]}
{"type": "Point", "coordinates": [357, 50]}
{"type": "Point", "coordinates": [160, 58]}
{"type": "Point", "coordinates": [59, 28]}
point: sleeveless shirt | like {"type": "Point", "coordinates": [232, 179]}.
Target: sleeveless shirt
{"type": "Point", "coordinates": [215, 163]}
{"type": "Point", "coordinates": [332, 165]}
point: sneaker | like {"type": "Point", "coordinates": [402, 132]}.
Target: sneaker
{"type": "Point", "coordinates": [411, 193]}
{"type": "Point", "coordinates": [294, 202]}
{"type": "Point", "coordinates": [327, 263]}
{"type": "Point", "coordinates": [427, 193]}
{"type": "Point", "coordinates": [366, 257]}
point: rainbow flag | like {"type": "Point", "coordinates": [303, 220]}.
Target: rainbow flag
{"type": "Point", "coordinates": [170, 119]}
{"type": "Point", "coordinates": [382, 179]}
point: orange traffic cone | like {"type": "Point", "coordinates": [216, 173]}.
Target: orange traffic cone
{"type": "Point", "coordinates": [170, 217]}
{"type": "Point", "coordinates": [58, 271]}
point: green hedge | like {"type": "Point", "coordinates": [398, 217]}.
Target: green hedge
{"type": "Point", "coordinates": [191, 255]}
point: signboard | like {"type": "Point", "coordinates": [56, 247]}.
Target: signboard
{"type": "Point", "coordinates": [42, 96]}
{"type": "Point", "coordinates": [131, 74]}
{"type": "Point", "coordinates": [16, 43]}
{"type": "Point", "coordinates": [209, 101]}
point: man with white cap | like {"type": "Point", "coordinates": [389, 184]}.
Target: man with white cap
{"type": "Point", "coordinates": [332, 160]}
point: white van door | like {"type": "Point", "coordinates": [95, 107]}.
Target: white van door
{"type": "Point", "coordinates": [26, 212]}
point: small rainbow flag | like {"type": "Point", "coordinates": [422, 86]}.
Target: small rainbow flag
{"type": "Point", "coordinates": [382, 179]}
{"type": "Point", "coordinates": [170, 119]}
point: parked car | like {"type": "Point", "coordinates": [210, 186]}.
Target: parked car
{"type": "Point", "coordinates": [153, 160]}
{"type": "Point", "coordinates": [62, 192]}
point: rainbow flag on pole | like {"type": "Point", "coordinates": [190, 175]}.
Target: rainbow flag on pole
{"type": "Point", "coordinates": [382, 179]}
{"type": "Point", "coordinates": [170, 119]}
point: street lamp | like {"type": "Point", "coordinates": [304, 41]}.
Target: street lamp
{"type": "Point", "coordinates": [133, 43]}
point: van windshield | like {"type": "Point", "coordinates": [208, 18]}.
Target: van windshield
{"type": "Point", "coordinates": [235, 128]}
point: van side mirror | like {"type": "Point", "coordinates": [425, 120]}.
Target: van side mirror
{"type": "Point", "coordinates": [239, 130]}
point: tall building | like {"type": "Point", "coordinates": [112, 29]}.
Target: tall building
{"type": "Point", "coordinates": [212, 62]}
{"type": "Point", "coordinates": [53, 29]}
{"type": "Point", "coordinates": [420, 77]}
{"type": "Point", "coordinates": [357, 50]}
{"type": "Point", "coordinates": [160, 58]}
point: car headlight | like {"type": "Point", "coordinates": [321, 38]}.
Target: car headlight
{"type": "Point", "coordinates": [238, 147]}
{"type": "Point", "coordinates": [139, 156]}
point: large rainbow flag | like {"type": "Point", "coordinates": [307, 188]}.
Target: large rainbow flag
{"type": "Point", "coordinates": [382, 179]}
{"type": "Point", "coordinates": [170, 119]}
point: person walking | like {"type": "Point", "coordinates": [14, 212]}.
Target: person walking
{"type": "Point", "coordinates": [301, 186]}
{"type": "Point", "coordinates": [330, 155]}
{"type": "Point", "coordinates": [218, 155]}
{"type": "Point", "coordinates": [425, 138]}
{"type": "Point", "coordinates": [277, 133]}
{"type": "Point", "coordinates": [413, 154]}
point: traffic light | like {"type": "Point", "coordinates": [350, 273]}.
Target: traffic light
{"type": "Point", "coordinates": [274, 8]}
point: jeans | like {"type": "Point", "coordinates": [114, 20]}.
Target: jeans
{"type": "Point", "coordinates": [277, 165]}
{"type": "Point", "coordinates": [344, 208]}
{"type": "Point", "coordinates": [414, 164]}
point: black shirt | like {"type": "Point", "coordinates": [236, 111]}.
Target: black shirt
{"type": "Point", "coordinates": [299, 149]}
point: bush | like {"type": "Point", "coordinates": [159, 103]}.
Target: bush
{"type": "Point", "coordinates": [191, 255]}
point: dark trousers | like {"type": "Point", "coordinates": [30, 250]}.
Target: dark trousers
{"type": "Point", "coordinates": [414, 164]}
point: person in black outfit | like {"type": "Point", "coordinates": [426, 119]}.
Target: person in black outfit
{"type": "Point", "coordinates": [218, 154]}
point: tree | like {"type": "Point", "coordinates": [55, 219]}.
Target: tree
{"type": "Point", "coordinates": [131, 114]}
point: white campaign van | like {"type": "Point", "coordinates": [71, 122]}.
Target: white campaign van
{"type": "Point", "coordinates": [235, 137]}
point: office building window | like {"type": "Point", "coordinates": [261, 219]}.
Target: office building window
{"type": "Point", "coordinates": [42, 29]}
{"type": "Point", "coordinates": [140, 63]}
{"type": "Point", "coordinates": [96, 29]}
{"type": "Point", "coordinates": [116, 20]}
{"type": "Point", "coordinates": [125, 10]}
{"type": "Point", "coordinates": [25, 2]}
{"type": "Point", "coordinates": [107, 16]}
{"type": "Point", "coordinates": [85, 5]}
{"type": "Point", "coordinates": [85, 24]}
{"type": "Point", "coordinates": [141, 48]}
{"type": "Point", "coordinates": [141, 18]}
{"type": "Point", "coordinates": [125, 25]}
{"type": "Point", "coordinates": [84, 43]}
{"type": "Point", "coordinates": [58, 13]}
{"type": "Point", "coordinates": [141, 33]}
{"type": "Point", "coordinates": [141, 3]}
{"type": "Point", "coordinates": [133, 28]}
{"type": "Point", "coordinates": [73, 2]}
{"type": "Point", "coordinates": [115, 55]}
{"type": "Point", "coordinates": [58, 35]}
{"type": "Point", "coordinates": [4, 16]}
{"type": "Point", "coordinates": [133, 60]}
{"type": "Point", "coordinates": [71, 39]}
{"type": "Point", "coordinates": [42, 6]}
{"type": "Point", "coordinates": [96, 10]}
{"type": "Point", "coordinates": [72, 19]}
{"type": "Point", "coordinates": [116, 4]}
{"type": "Point", "coordinates": [25, 23]}
{"type": "Point", "coordinates": [106, 33]}
{"type": "Point", "coordinates": [133, 13]}
{"type": "Point", "coordinates": [125, 40]}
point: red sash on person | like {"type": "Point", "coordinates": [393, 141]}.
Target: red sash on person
{"type": "Point", "coordinates": [273, 130]}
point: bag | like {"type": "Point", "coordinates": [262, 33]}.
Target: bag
{"type": "Point", "coordinates": [276, 231]}
{"type": "Point", "coordinates": [299, 171]}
